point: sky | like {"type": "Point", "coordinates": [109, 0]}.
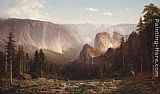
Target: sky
{"type": "Point", "coordinates": [76, 11]}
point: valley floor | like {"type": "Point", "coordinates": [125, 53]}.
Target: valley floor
{"type": "Point", "coordinates": [102, 86]}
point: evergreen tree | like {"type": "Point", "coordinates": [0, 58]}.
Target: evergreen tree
{"type": "Point", "coordinates": [35, 66]}
{"type": "Point", "coordinates": [140, 25]}
{"type": "Point", "coordinates": [150, 13]}
{"type": "Point", "coordinates": [2, 63]}
{"type": "Point", "coordinates": [122, 45]}
{"type": "Point", "coordinates": [133, 50]}
{"type": "Point", "coordinates": [140, 29]}
{"type": "Point", "coordinates": [36, 57]}
{"type": "Point", "coordinates": [39, 65]}
{"type": "Point", "coordinates": [10, 48]}
{"type": "Point", "coordinates": [41, 61]}
{"type": "Point", "coordinates": [21, 58]}
{"type": "Point", "coordinates": [27, 59]}
{"type": "Point", "coordinates": [10, 44]}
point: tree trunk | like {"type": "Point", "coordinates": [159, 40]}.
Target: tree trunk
{"type": "Point", "coordinates": [41, 73]}
{"type": "Point", "coordinates": [6, 63]}
{"type": "Point", "coordinates": [141, 66]}
{"type": "Point", "coordinates": [11, 69]}
{"type": "Point", "coordinates": [123, 60]}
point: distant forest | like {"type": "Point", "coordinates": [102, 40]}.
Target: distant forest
{"type": "Point", "coordinates": [134, 57]}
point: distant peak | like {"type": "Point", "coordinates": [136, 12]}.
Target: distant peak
{"type": "Point", "coordinates": [87, 45]}
{"type": "Point", "coordinates": [115, 32]}
{"type": "Point", "coordinates": [26, 20]}
{"type": "Point", "coordinates": [102, 34]}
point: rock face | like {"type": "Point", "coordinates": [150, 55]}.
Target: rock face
{"type": "Point", "coordinates": [90, 30]}
{"type": "Point", "coordinates": [88, 53]}
{"type": "Point", "coordinates": [63, 39]}
{"type": "Point", "coordinates": [104, 40]}
{"type": "Point", "coordinates": [40, 34]}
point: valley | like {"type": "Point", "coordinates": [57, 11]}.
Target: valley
{"type": "Point", "coordinates": [45, 57]}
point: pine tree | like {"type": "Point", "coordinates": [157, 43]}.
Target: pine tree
{"type": "Point", "coordinates": [140, 29]}
{"type": "Point", "coordinates": [122, 45]}
{"type": "Point", "coordinates": [21, 58]}
{"type": "Point", "coordinates": [27, 62]}
{"type": "Point", "coordinates": [38, 66]}
{"type": "Point", "coordinates": [2, 63]}
{"type": "Point", "coordinates": [42, 61]}
{"type": "Point", "coordinates": [150, 13]}
{"type": "Point", "coordinates": [36, 57]}
{"type": "Point", "coordinates": [35, 67]}
{"type": "Point", "coordinates": [133, 51]}
{"type": "Point", "coordinates": [140, 25]}
{"type": "Point", "coordinates": [10, 48]}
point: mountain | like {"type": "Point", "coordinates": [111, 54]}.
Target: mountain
{"type": "Point", "coordinates": [91, 30]}
{"type": "Point", "coordinates": [62, 40]}
{"type": "Point", "coordinates": [57, 37]}
{"type": "Point", "coordinates": [59, 58]}
{"type": "Point", "coordinates": [124, 29]}
{"type": "Point", "coordinates": [33, 34]}
{"type": "Point", "coordinates": [104, 40]}
{"type": "Point", "coordinates": [87, 53]}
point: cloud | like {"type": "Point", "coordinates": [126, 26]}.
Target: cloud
{"type": "Point", "coordinates": [29, 9]}
{"type": "Point", "coordinates": [127, 8]}
{"type": "Point", "coordinates": [107, 13]}
{"type": "Point", "coordinates": [92, 9]}
{"type": "Point", "coordinates": [97, 10]}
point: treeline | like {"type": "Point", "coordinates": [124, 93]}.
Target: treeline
{"type": "Point", "coordinates": [15, 61]}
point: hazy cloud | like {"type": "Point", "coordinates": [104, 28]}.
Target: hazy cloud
{"type": "Point", "coordinates": [127, 8]}
{"type": "Point", "coordinates": [107, 13]}
{"type": "Point", "coordinates": [92, 9]}
{"type": "Point", "coordinates": [31, 9]}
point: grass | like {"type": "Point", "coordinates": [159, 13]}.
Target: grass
{"type": "Point", "coordinates": [102, 86]}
